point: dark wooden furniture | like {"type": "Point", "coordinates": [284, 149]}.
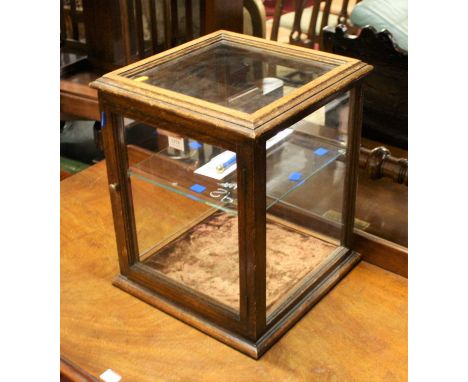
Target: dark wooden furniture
{"type": "Point", "coordinates": [385, 117]}
{"type": "Point", "coordinates": [297, 36]}
{"type": "Point", "coordinates": [115, 33]}
{"type": "Point", "coordinates": [345, 11]}
{"type": "Point", "coordinates": [72, 29]}
{"type": "Point", "coordinates": [385, 120]}
{"type": "Point", "coordinates": [381, 205]}
{"type": "Point", "coordinates": [77, 99]}
{"type": "Point", "coordinates": [313, 36]}
{"type": "Point", "coordinates": [358, 332]}
{"type": "Point", "coordinates": [217, 94]}
{"type": "Point", "coordinates": [256, 18]}
{"type": "Point", "coordinates": [379, 163]}
{"type": "Point", "coordinates": [97, 36]}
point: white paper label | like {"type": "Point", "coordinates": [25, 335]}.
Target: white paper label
{"type": "Point", "coordinates": [209, 169]}
{"type": "Point", "coordinates": [270, 84]}
{"type": "Point", "coordinates": [110, 376]}
{"type": "Point", "coordinates": [176, 143]}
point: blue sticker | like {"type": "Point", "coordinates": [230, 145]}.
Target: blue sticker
{"type": "Point", "coordinates": [103, 119]}
{"type": "Point", "coordinates": [320, 151]}
{"type": "Point", "coordinates": [295, 176]}
{"type": "Point", "coordinates": [195, 145]}
{"type": "Point", "coordinates": [198, 188]}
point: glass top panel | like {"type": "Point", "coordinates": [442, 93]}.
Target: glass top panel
{"type": "Point", "coordinates": [240, 77]}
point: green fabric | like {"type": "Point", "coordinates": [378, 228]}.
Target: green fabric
{"type": "Point", "coordinates": [72, 166]}
{"type": "Point", "coordinates": [384, 14]}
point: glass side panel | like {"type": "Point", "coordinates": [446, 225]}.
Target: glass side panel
{"type": "Point", "coordinates": [294, 157]}
{"type": "Point", "coordinates": [299, 158]}
{"type": "Point", "coordinates": [305, 183]}
{"type": "Point", "coordinates": [236, 76]}
{"type": "Point", "coordinates": [185, 202]}
{"type": "Point", "coordinates": [178, 171]}
{"type": "Point", "coordinates": [180, 233]}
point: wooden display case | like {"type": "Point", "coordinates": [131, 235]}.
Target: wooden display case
{"type": "Point", "coordinates": [259, 135]}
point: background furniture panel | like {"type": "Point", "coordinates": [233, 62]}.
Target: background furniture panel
{"type": "Point", "coordinates": [385, 117]}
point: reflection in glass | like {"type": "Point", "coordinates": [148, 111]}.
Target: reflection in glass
{"type": "Point", "coordinates": [186, 222]}
{"type": "Point", "coordinates": [185, 202]}
{"type": "Point", "coordinates": [305, 187]}
{"type": "Point", "coordinates": [239, 77]}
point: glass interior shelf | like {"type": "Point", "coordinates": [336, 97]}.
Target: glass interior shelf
{"type": "Point", "coordinates": [290, 164]}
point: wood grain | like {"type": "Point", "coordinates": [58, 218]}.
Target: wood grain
{"type": "Point", "coordinates": [161, 101]}
{"type": "Point", "coordinates": [357, 332]}
{"type": "Point", "coordinates": [78, 100]}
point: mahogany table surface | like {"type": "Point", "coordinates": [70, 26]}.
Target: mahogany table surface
{"type": "Point", "coordinates": [358, 332]}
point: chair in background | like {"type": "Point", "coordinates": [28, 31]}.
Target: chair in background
{"type": "Point", "coordinates": [254, 18]}
{"type": "Point", "coordinates": [72, 31]}
{"type": "Point", "coordinates": [304, 26]}
{"type": "Point", "coordinates": [114, 33]}
{"type": "Point", "coordinates": [99, 36]}
{"type": "Point", "coordinates": [382, 204]}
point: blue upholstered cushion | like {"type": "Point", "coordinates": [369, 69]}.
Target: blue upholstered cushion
{"type": "Point", "coordinates": [384, 14]}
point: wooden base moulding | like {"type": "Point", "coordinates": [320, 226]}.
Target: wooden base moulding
{"type": "Point", "coordinates": [273, 333]}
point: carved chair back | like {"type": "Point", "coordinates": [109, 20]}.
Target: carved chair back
{"type": "Point", "coordinates": [313, 36]}
{"type": "Point", "coordinates": [385, 116]}
{"type": "Point", "coordinates": [297, 36]}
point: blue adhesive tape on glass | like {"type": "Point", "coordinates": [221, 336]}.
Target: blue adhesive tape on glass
{"type": "Point", "coordinates": [295, 176]}
{"type": "Point", "coordinates": [103, 119]}
{"type": "Point", "coordinates": [320, 151]}
{"type": "Point", "coordinates": [198, 188]}
{"type": "Point", "coordinates": [195, 145]}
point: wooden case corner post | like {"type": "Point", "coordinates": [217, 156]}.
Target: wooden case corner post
{"type": "Point", "coordinates": [233, 211]}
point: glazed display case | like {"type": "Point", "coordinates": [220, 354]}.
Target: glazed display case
{"type": "Point", "coordinates": [236, 216]}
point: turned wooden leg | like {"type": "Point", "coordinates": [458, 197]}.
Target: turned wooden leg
{"type": "Point", "coordinates": [379, 163]}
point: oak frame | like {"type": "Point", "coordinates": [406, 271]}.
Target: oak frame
{"type": "Point", "coordinates": [249, 331]}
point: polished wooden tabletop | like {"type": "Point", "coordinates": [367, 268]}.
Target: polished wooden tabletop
{"type": "Point", "coordinates": [358, 332]}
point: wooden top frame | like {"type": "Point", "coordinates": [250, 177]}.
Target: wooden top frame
{"type": "Point", "coordinates": [166, 103]}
